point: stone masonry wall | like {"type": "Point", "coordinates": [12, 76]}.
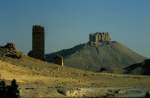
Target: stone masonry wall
{"type": "Point", "coordinates": [99, 37]}
{"type": "Point", "coordinates": [38, 42]}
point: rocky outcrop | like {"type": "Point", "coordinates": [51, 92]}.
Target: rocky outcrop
{"type": "Point", "coordinates": [9, 50]}
{"type": "Point", "coordinates": [9, 46]}
{"type": "Point", "coordinates": [101, 92]}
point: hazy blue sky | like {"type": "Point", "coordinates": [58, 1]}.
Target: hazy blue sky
{"type": "Point", "coordinates": [68, 22]}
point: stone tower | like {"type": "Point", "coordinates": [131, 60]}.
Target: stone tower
{"type": "Point", "coordinates": [38, 42]}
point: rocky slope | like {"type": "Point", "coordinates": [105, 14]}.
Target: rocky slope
{"type": "Point", "coordinates": [41, 79]}
{"type": "Point", "coordinates": [139, 68]}
{"type": "Point", "coordinates": [110, 57]}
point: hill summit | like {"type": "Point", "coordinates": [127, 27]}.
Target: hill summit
{"type": "Point", "coordinates": [99, 54]}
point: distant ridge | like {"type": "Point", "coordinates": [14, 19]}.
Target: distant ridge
{"type": "Point", "coordinates": [110, 57]}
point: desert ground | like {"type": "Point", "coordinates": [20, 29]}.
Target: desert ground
{"type": "Point", "coordinates": [41, 79]}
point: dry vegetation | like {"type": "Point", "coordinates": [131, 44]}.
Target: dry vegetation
{"type": "Point", "coordinates": [31, 70]}
{"type": "Point", "coordinates": [35, 73]}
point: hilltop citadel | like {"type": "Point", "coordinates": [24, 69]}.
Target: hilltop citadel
{"type": "Point", "coordinates": [97, 38]}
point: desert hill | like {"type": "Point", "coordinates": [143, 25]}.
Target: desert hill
{"type": "Point", "coordinates": [41, 79]}
{"type": "Point", "coordinates": [10, 71]}
{"type": "Point", "coordinates": [37, 78]}
{"type": "Point", "coordinates": [110, 57]}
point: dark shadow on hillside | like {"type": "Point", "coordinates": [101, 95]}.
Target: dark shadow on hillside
{"type": "Point", "coordinates": [143, 67]}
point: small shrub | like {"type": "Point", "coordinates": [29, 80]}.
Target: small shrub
{"type": "Point", "coordinates": [19, 54]}
{"type": "Point", "coordinates": [147, 95]}
{"type": "Point", "coordinates": [9, 91]}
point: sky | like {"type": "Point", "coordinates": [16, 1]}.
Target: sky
{"type": "Point", "coordinates": [69, 22]}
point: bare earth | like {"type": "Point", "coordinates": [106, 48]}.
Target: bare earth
{"type": "Point", "coordinates": [42, 79]}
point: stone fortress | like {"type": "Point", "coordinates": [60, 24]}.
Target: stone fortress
{"type": "Point", "coordinates": [98, 38]}
{"type": "Point", "coordinates": [38, 42]}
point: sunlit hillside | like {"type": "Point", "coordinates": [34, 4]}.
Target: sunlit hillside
{"type": "Point", "coordinates": [34, 74]}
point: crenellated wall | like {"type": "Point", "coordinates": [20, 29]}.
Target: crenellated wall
{"type": "Point", "coordinates": [99, 37]}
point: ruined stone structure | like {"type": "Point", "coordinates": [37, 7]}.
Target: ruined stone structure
{"type": "Point", "coordinates": [38, 40]}
{"type": "Point", "coordinates": [98, 38]}
{"type": "Point", "coordinates": [9, 50]}
{"type": "Point", "coordinates": [59, 60]}
{"type": "Point", "coordinates": [10, 46]}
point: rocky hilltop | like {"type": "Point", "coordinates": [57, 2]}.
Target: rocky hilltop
{"type": "Point", "coordinates": [99, 54]}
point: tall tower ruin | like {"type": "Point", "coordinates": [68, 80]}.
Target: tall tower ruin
{"type": "Point", "coordinates": [38, 42]}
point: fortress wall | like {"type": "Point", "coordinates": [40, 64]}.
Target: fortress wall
{"type": "Point", "coordinates": [99, 37]}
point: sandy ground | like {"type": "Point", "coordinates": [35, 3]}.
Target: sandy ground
{"type": "Point", "coordinates": [57, 81]}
